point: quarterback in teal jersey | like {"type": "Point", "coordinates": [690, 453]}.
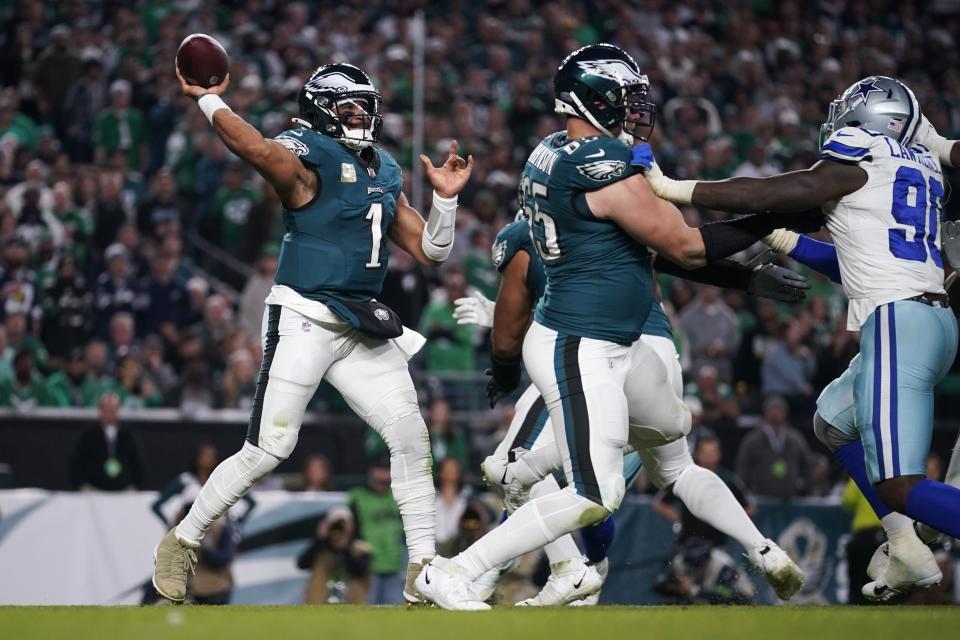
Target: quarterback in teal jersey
{"type": "Point", "coordinates": [342, 200]}
{"type": "Point", "coordinates": [523, 464]}
{"type": "Point", "coordinates": [595, 223]}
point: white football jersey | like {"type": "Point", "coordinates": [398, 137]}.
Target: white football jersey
{"type": "Point", "coordinates": [887, 232]}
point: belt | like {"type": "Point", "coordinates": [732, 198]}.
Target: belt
{"type": "Point", "coordinates": [940, 300]}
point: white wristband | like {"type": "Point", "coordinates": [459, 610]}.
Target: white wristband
{"type": "Point", "coordinates": [679, 191]}
{"type": "Point", "coordinates": [782, 240]}
{"type": "Point", "coordinates": [210, 103]}
{"type": "Point", "coordinates": [437, 240]}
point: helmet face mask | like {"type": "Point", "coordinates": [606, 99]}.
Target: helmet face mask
{"type": "Point", "coordinates": [339, 101]}
{"type": "Point", "coordinates": [877, 103]}
{"type": "Point", "coordinates": [603, 85]}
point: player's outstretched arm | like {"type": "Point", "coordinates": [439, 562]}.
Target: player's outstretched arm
{"type": "Point", "coordinates": [759, 277]}
{"type": "Point", "coordinates": [784, 193]}
{"type": "Point", "coordinates": [294, 183]}
{"type": "Point", "coordinates": [658, 224]}
{"type": "Point", "coordinates": [430, 242]}
{"type": "Point", "coordinates": [819, 256]}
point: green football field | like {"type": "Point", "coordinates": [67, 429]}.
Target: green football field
{"type": "Point", "coordinates": [394, 623]}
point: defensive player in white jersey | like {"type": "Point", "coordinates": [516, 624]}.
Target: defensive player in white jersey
{"type": "Point", "coordinates": [880, 184]}
{"type": "Point", "coordinates": [523, 464]}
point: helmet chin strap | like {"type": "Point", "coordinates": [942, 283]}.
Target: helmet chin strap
{"type": "Point", "coordinates": [585, 113]}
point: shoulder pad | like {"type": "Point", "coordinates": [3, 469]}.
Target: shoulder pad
{"type": "Point", "coordinates": [512, 238]}
{"type": "Point", "coordinates": [596, 162]}
{"type": "Point", "coordinates": [850, 144]}
{"type": "Point", "coordinates": [311, 147]}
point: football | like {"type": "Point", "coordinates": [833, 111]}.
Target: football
{"type": "Point", "coordinates": [202, 60]}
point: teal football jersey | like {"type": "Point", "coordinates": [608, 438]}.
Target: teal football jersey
{"type": "Point", "coordinates": [334, 247]}
{"type": "Point", "coordinates": [516, 237]}
{"type": "Point", "coordinates": [599, 281]}
{"type": "Point", "coordinates": [513, 238]}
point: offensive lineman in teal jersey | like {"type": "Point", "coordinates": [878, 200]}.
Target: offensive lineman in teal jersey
{"type": "Point", "coordinates": [523, 464]}
{"type": "Point", "coordinates": [342, 199]}
{"type": "Point", "coordinates": [592, 217]}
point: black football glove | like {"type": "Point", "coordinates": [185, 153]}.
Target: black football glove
{"type": "Point", "coordinates": [504, 377]}
{"type": "Point", "coordinates": [770, 281]}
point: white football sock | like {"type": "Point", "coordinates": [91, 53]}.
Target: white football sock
{"type": "Point", "coordinates": [411, 480]}
{"type": "Point", "coordinates": [564, 547]}
{"type": "Point", "coordinates": [533, 525]}
{"type": "Point", "coordinates": [709, 499]}
{"type": "Point", "coordinates": [897, 527]}
{"type": "Point", "coordinates": [229, 482]}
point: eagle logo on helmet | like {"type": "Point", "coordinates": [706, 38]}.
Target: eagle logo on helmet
{"type": "Point", "coordinates": [617, 70]}
{"type": "Point", "coordinates": [603, 169]}
{"type": "Point", "coordinates": [381, 314]}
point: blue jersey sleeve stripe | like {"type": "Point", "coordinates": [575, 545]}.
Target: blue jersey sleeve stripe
{"type": "Point", "coordinates": [844, 150]}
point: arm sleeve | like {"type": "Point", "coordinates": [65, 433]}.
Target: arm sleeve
{"type": "Point", "coordinates": [722, 273]}
{"type": "Point", "coordinates": [819, 256]}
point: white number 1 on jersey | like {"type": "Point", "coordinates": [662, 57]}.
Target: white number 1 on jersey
{"type": "Point", "coordinates": [375, 216]}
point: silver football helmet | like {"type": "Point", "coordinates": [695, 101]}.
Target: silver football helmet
{"type": "Point", "coordinates": [877, 103]}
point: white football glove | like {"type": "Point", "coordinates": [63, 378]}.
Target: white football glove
{"type": "Point", "coordinates": [678, 191]}
{"type": "Point", "coordinates": [782, 240]}
{"type": "Point", "coordinates": [928, 136]}
{"type": "Point", "coordinates": [475, 309]}
{"type": "Point", "coordinates": [950, 243]}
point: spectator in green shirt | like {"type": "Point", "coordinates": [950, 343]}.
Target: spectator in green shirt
{"type": "Point", "coordinates": [27, 388]}
{"type": "Point", "coordinates": [230, 210]}
{"type": "Point", "coordinates": [378, 523]}
{"type": "Point", "coordinates": [121, 127]}
{"type": "Point", "coordinates": [481, 274]}
{"type": "Point", "coordinates": [449, 345]}
{"type": "Point", "coordinates": [68, 383]}
{"type": "Point", "coordinates": [446, 437]}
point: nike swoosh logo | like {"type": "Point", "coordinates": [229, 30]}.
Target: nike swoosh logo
{"type": "Point", "coordinates": [880, 589]}
{"type": "Point", "coordinates": [598, 154]}
{"type": "Point", "coordinates": [580, 581]}
{"type": "Point", "coordinates": [426, 574]}
{"type": "Point", "coordinates": [503, 480]}
{"type": "Point", "coordinates": [843, 135]}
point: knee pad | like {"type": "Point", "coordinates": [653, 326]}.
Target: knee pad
{"type": "Point", "coordinates": [280, 417]}
{"type": "Point", "coordinates": [829, 435]}
{"type": "Point", "coordinates": [672, 429]}
{"type": "Point", "coordinates": [407, 436]}
{"type": "Point", "coordinates": [254, 463]}
{"type": "Point", "coordinates": [664, 464]}
{"type": "Point", "coordinates": [396, 404]}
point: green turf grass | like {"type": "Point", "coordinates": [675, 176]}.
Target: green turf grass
{"type": "Point", "coordinates": [395, 623]}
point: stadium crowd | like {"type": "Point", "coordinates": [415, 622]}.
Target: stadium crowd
{"type": "Point", "coordinates": [136, 251]}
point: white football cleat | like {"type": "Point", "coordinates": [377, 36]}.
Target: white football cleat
{"type": "Point", "coordinates": [910, 565]}
{"type": "Point", "coordinates": [486, 584]}
{"type": "Point", "coordinates": [782, 573]}
{"type": "Point", "coordinates": [569, 580]}
{"type": "Point", "coordinates": [603, 568]}
{"type": "Point", "coordinates": [445, 583]}
{"type": "Point", "coordinates": [879, 561]}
